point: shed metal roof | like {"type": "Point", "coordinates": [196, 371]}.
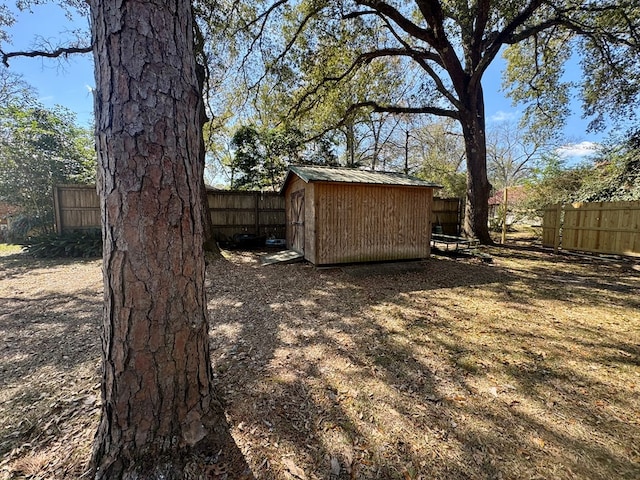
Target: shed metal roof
{"type": "Point", "coordinates": [352, 175]}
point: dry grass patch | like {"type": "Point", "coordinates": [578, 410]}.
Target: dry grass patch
{"type": "Point", "coordinates": [528, 367]}
{"type": "Point", "coordinates": [49, 354]}
{"type": "Point", "coordinates": [525, 368]}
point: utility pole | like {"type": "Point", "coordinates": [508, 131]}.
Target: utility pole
{"type": "Point", "coordinates": [505, 199]}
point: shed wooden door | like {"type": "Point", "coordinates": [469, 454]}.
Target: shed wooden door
{"type": "Point", "coordinates": [297, 221]}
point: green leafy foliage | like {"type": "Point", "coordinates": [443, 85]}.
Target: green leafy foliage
{"type": "Point", "coordinates": [535, 77]}
{"type": "Point", "coordinates": [611, 86]}
{"type": "Point", "coordinates": [613, 174]}
{"type": "Point", "coordinates": [438, 148]}
{"type": "Point", "coordinates": [604, 36]}
{"type": "Point", "coordinates": [76, 244]}
{"type": "Point", "coordinates": [309, 83]}
{"type": "Point", "coordinates": [40, 148]}
{"type": "Point", "coordinates": [553, 182]}
{"type": "Point", "coordinates": [262, 156]}
{"type": "Point", "coordinates": [328, 61]}
{"type": "Point", "coordinates": [21, 227]}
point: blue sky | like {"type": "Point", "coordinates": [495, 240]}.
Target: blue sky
{"type": "Point", "coordinates": [69, 82]}
{"type": "Point", "coordinates": [63, 82]}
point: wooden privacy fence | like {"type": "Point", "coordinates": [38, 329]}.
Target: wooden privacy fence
{"type": "Point", "coordinates": [76, 207]}
{"type": "Point", "coordinates": [447, 213]}
{"type": "Point", "coordinates": [232, 212]}
{"type": "Point", "coordinates": [602, 227]}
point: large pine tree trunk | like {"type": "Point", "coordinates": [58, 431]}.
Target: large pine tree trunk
{"type": "Point", "coordinates": [158, 401]}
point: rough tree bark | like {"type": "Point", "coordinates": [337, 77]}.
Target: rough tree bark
{"type": "Point", "coordinates": [472, 119]}
{"type": "Point", "coordinates": [159, 406]}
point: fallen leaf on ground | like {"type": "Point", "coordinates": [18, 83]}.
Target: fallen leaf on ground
{"type": "Point", "coordinates": [293, 469]}
{"type": "Point", "coordinates": [335, 466]}
{"type": "Point", "coordinates": [538, 442]}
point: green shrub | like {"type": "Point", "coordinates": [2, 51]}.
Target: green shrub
{"type": "Point", "coordinates": [80, 243]}
{"type": "Point", "coordinates": [23, 226]}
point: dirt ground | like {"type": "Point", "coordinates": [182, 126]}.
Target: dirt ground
{"type": "Point", "coordinates": [527, 367]}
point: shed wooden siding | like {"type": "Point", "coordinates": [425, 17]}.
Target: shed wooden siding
{"type": "Point", "coordinates": [311, 241]}
{"type": "Point", "coordinates": [361, 223]}
{"type": "Point", "coordinates": [296, 185]}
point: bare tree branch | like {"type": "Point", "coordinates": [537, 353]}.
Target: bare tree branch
{"type": "Point", "coordinates": [399, 19]}
{"type": "Point", "coordinates": [429, 110]}
{"type": "Point", "coordinates": [362, 59]}
{"type": "Point", "coordinates": [563, 18]}
{"type": "Point", "coordinates": [422, 57]}
{"type": "Point", "coordinates": [495, 42]}
{"type": "Point", "coordinates": [290, 43]}
{"type": "Point", "coordinates": [375, 107]}
{"type": "Point", "coordinates": [263, 18]}
{"type": "Point", "coordinates": [483, 8]}
{"type": "Point", "coordinates": [59, 52]}
{"type": "Point", "coordinates": [435, 36]}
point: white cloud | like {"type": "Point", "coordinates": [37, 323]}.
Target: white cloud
{"type": "Point", "coordinates": [502, 116]}
{"type": "Point", "coordinates": [582, 149]}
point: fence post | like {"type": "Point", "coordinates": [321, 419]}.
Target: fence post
{"type": "Point", "coordinates": [558, 225]}
{"type": "Point", "coordinates": [57, 213]}
{"type": "Point", "coordinates": [461, 212]}
{"type": "Point", "coordinates": [257, 211]}
{"type": "Point", "coordinates": [505, 202]}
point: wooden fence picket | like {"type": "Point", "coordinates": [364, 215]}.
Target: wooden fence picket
{"type": "Point", "coordinates": [597, 227]}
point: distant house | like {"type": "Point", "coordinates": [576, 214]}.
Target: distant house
{"type": "Point", "coordinates": [344, 215]}
{"type": "Point", "coordinates": [7, 212]}
{"type": "Point", "coordinates": [515, 199]}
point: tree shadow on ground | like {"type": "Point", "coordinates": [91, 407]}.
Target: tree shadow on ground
{"type": "Point", "coordinates": [50, 318]}
{"type": "Point", "coordinates": [49, 330]}
{"type": "Point", "coordinates": [17, 264]}
{"type": "Point", "coordinates": [50, 324]}
{"type": "Point", "coordinates": [451, 370]}
{"type": "Point", "coordinates": [438, 369]}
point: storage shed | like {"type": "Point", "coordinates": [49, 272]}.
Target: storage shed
{"type": "Point", "coordinates": [345, 215]}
